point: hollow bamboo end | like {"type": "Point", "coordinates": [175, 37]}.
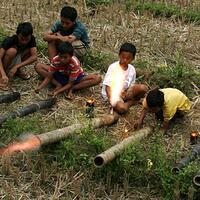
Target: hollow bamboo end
{"type": "Point", "coordinates": [98, 161]}
{"type": "Point", "coordinates": [196, 180]}
{"type": "Point", "coordinates": [175, 170]}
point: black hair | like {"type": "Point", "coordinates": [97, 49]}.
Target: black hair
{"type": "Point", "coordinates": [25, 29]}
{"type": "Point", "coordinates": [69, 13]}
{"type": "Point", "coordinates": [155, 98]}
{"type": "Point", "coordinates": [128, 47]}
{"type": "Point", "coordinates": [65, 47]}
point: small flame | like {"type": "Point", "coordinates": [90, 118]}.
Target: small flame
{"type": "Point", "coordinates": [126, 130]}
{"type": "Point", "coordinates": [194, 134]}
{"type": "Point", "coordinates": [117, 84]}
{"type": "Point", "coordinates": [90, 100]}
{"type": "Point", "coordinates": [30, 144]}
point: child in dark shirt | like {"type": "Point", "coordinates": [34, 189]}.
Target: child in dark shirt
{"type": "Point", "coordinates": [16, 52]}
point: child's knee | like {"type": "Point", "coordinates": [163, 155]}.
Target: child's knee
{"type": "Point", "coordinates": [144, 88]}
{"type": "Point", "coordinates": [38, 67]}
{"type": "Point", "coordinates": [97, 78]}
{"type": "Point", "coordinates": [12, 52]}
{"type": "Point", "coordinates": [121, 108]}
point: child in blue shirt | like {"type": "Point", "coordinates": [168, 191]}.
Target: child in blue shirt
{"type": "Point", "coordinates": [67, 29]}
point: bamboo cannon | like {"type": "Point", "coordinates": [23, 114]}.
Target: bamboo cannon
{"type": "Point", "coordinates": [196, 179]}
{"type": "Point", "coordinates": [33, 142]}
{"type": "Point", "coordinates": [186, 160]}
{"type": "Point", "coordinates": [28, 109]}
{"type": "Point", "coordinates": [60, 134]}
{"type": "Point", "coordinates": [108, 155]}
{"type": "Point", "coordinates": [8, 98]}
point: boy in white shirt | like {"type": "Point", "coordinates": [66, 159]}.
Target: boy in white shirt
{"type": "Point", "coordinates": [119, 86]}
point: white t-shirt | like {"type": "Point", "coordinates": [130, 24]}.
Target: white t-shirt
{"type": "Point", "coordinates": [116, 74]}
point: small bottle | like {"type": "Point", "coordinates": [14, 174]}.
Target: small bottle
{"type": "Point", "coordinates": [194, 137]}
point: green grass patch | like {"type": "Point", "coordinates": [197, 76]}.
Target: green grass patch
{"type": "Point", "coordinates": [78, 150]}
{"type": "Point", "coordinates": [178, 76]}
{"type": "Point", "coordinates": [94, 3]}
{"type": "Point", "coordinates": [98, 61]}
{"type": "Point", "coordinates": [166, 10]}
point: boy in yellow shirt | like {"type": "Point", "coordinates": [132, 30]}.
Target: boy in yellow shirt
{"type": "Point", "coordinates": [165, 103]}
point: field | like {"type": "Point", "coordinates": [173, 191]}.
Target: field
{"type": "Point", "coordinates": [168, 55]}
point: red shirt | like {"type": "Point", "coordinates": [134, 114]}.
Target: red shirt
{"type": "Point", "coordinates": [72, 69]}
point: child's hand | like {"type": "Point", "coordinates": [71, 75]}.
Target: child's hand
{"type": "Point", "coordinates": [123, 94]}
{"type": "Point", "coordinates": [53, 93]}
{"type": "Point", "coordinates": [5, 79]}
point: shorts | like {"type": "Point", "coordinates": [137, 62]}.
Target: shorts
{"type": "Point", "coordinates": [79, 48]}
{"type": "Point", "coordinates": [17, 59]}
{"type": "Point", "coordinates": [63, 79]}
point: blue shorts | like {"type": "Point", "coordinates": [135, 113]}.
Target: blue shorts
{"type": "Point", "coordinates": [63, 79]}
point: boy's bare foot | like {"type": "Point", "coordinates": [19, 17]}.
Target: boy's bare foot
{"type": "Point", "coordinates": [70, 95]}
{"type": "Point", "coordinates": [54, 92]}
{"type": "Point", "coordinates": [51, 93]}
{"type": "Point", "coordinates": [21, 74]}
{"type": "Point", "coordinates": [4, 86]}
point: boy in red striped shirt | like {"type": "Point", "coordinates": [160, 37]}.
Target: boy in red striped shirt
{"type": "Point", "coordinates": [65, 72]}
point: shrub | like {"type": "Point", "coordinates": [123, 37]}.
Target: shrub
{"type": "Point", "coordinates": [98, 61]}
{"type": "Point", "coordinates": [177, 76]}
{"type": "Point", "coordinates": [162, 9]}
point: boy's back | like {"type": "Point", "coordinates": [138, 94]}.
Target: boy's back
{"type": "Point", "coordinates": [174, 100]}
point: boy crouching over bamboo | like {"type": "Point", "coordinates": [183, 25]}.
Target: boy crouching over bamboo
{"type": "Point", "coordinates": [119, 83]}
{"type": "Point", "coordinates": [65, 73]}
{"type": "Point", "coordinates": [167, 104]}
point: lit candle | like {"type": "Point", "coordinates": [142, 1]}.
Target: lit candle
{"type": "Point", "coordinates": [194, 137]}
{"type": "Point", "coordinates": [90, 107]}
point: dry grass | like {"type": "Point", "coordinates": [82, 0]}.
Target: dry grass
{"type": "Point", "coordinates": [159, 41]}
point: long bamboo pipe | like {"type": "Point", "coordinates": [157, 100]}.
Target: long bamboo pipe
{"type": "Point", "coordinates": [33, 142]}
{"type": "Point", "coordinates": [187, 159]}
{"type": "Point", "coordinates": [60, 134]}
{"type": "Point", "coordinates": [108, 155]}
{"type": "Point", "coordinates": [28, 109]}
{"type": "Point", "coordinates": [8, 98]}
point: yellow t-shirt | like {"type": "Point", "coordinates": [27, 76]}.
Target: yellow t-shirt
{"type": "Point", "coordinates": [174, 100]}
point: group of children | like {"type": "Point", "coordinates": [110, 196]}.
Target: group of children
{"type": "Point", "coordinates": [67, 42]}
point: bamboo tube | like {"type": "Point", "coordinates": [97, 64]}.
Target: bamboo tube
{"type": "Point", "coordinates": [8, 98]}
{"type": "Point", "coordinates": [28, 109]}
{"type": "Point", "coordinates": [186, 160]}
{"type": "Point", "coordinates": [108, 155]}
{"type": "Point", "coordinates": [60, 134]}
{"type": "Point", "coordinates": [196, 179]}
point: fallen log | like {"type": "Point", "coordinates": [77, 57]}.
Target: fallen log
{"type": "Point", "coordinates": [108, 155]}
{"type": "Point", "coordinates": [8, 98]}
{"type": "Point", "coordinates": [36, 141]}
{"type": "Point", "coordinates": [186, 160]}
{"type": "Point", "coordinates": [28, 109]}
